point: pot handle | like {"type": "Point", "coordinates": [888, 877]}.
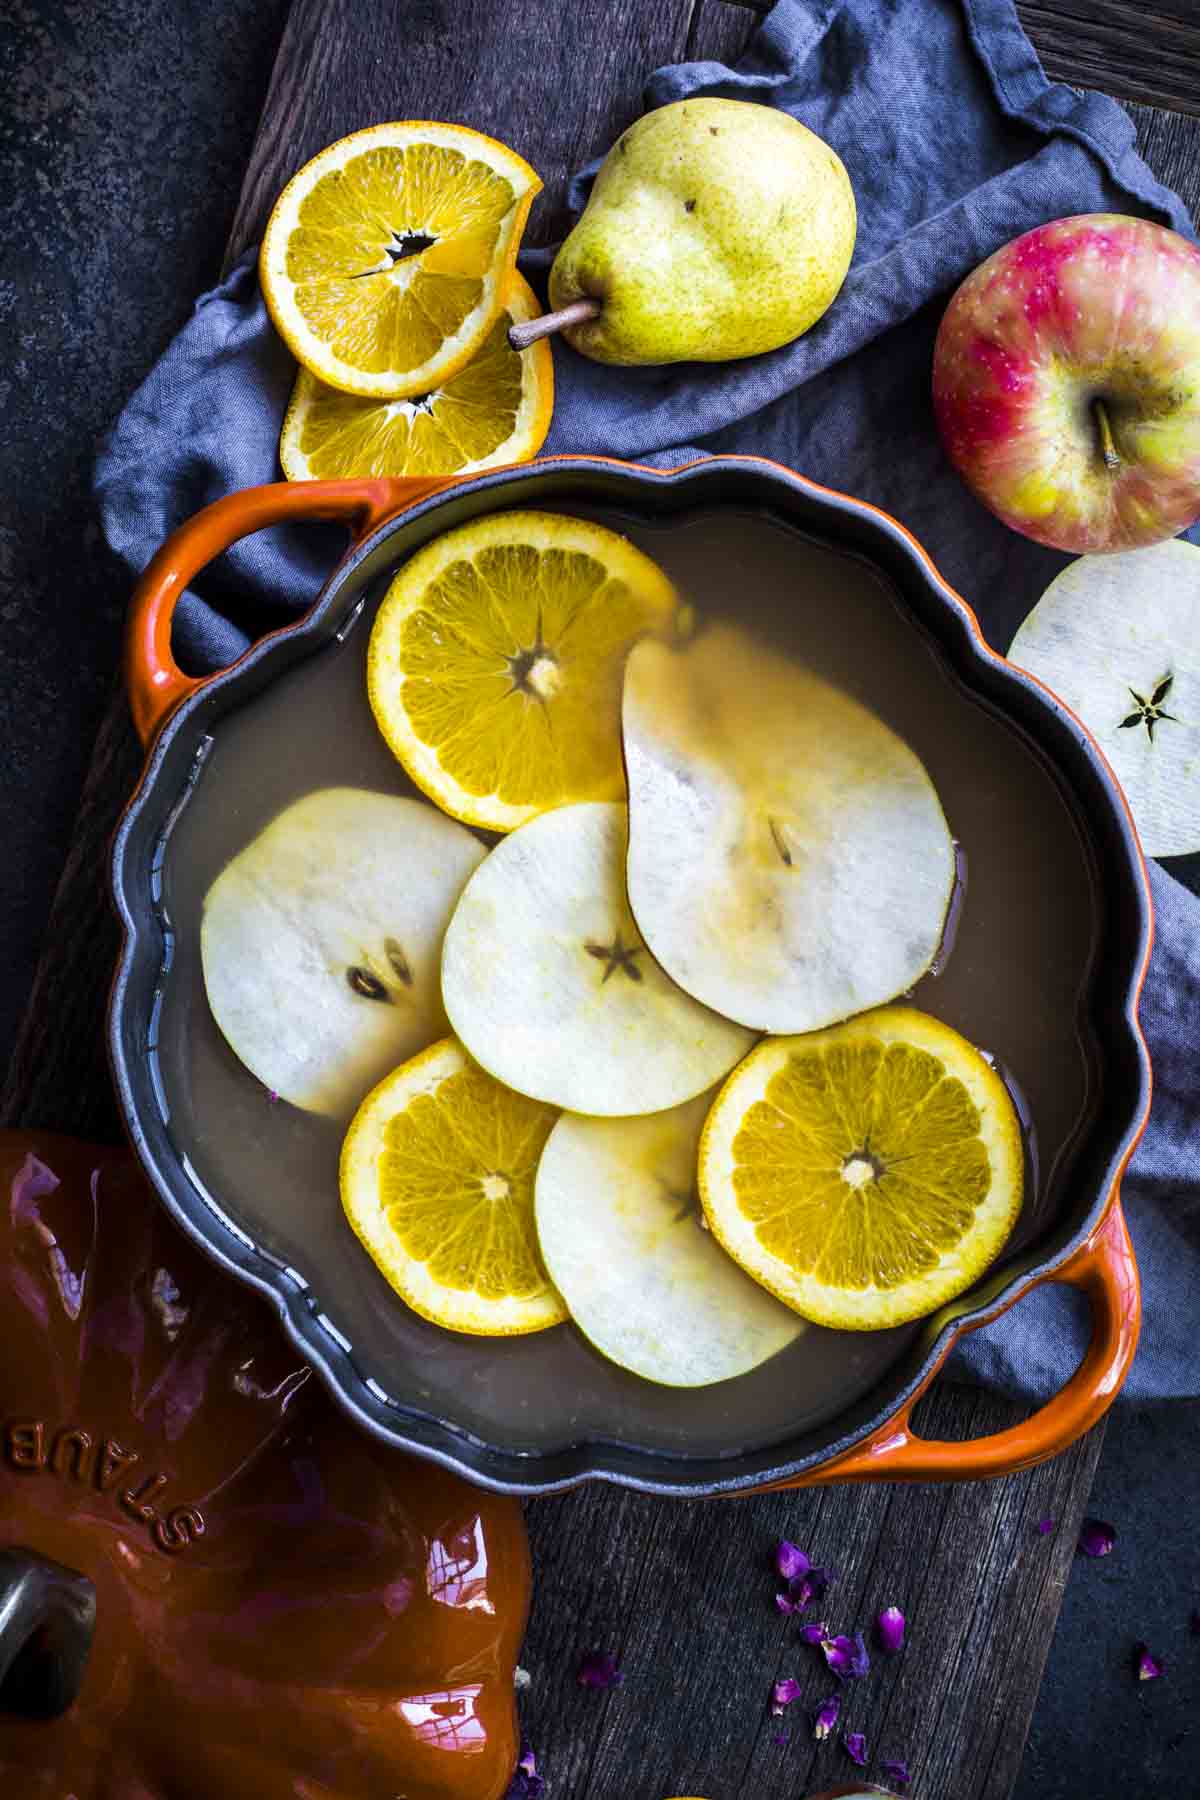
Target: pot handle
{"type": "Point", "coordinates": [1105, 1269]}
{"type": "Point", "coordinates": [155, 681]}
{"type": "Point", "coordinates": [47, 1619]}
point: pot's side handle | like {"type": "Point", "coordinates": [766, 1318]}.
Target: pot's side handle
{"type": "Point", "coordinates": [155, 681]}
{"type": "Point", "coordinates": [1105, 1269]}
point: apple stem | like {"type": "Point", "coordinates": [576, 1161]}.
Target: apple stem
{"type": "Point", "coordinates": [1108, 448]}
{"type": "Point", "coordinates": [578, 313]}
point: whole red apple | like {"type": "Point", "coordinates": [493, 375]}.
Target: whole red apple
{"type": "Point", "coordinates": [1066, 383]}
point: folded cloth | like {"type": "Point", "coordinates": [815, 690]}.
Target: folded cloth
{"type": "Point", "coordinates": [955, 142]}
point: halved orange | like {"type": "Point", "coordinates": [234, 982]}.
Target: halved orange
{"type": "Point", "coordinates": [867, 1173]}
{"type": "Point", "coordinates": [437, 1178]}
{"type": "Point", "coordinates": [495, 411]}
{"type": "Point", "coordinates": [387, 258]}
{"type": "Point", "coordinates": [496, 660]}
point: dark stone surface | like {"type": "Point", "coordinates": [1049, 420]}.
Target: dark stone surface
{"type": "Point", "coordinates": [123, 133]}
{"type": "Point", "coordinates": [124, 129]}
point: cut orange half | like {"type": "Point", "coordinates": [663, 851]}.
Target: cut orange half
{"type": "Point", "coordinates": [387, 258]}
{"type": "Point", "coordinates": [865, 1174]}
{"type": "Point", "coordinates": [494, 412]}
{"type": "Point", "coordinates": [437, 1178]}
{"type": "Point", "coordinates": [496, 661]}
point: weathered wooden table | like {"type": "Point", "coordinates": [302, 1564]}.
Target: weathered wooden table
{"type": "Point", "coordinates": [682, 1594]}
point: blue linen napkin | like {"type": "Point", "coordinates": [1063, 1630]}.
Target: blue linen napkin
{"type": "Point", "coordinates": [955, 142]}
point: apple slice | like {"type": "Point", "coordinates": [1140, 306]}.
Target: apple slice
{"type": "Point", "coordinates": [320, 942]}
{"type": "Point", "coordinates": [620, 1230]}
{"type": "Point", "coordinates": [548, 985]}
{"type": "Point", "coordinates": [1118, 638]}
{"type": "Point", "coordinates": [789, 861]}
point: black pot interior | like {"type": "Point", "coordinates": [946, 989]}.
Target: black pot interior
{"type": "Point", "coordinates": [1043, 974]}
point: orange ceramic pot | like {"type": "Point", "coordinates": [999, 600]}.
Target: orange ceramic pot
{"type": "Point", "coordinates": [210, 1582]}
{"type": "Point", "coordinates": [533, 1416]}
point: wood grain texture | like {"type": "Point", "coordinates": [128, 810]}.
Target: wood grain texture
{"type": "Point", "coordinates": [560, 85]}
{"type": "Point", "coordinates": [1170, 143]}
{"type": "Point", "coordinates": [58, 1076]}
{"type": "Point", "coordinates": [1149, 53]}
{"type": "Point", "coordinates": [683, 1594]}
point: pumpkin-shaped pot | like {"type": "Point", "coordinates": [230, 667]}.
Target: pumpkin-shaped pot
{"type": "Point", "coordinates": [210, 1583]}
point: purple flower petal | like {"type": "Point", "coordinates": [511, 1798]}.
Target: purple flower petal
{"type": "Point", "coordinates": [790, 1561]}
{"type": "Point", "coordinates": [826, 1716]}
{"type": "Point", "coordinates": [803, 1591]}
{"type": "Point", "coordinates": [526, 1783]}
{"type": "Point", "coordinates": [1045, 1527]}
{"type": "Point", "coordinates": [599, 1670]}
{"type": "Point", "coordinates": [1096, 1538]}
{"type": "Point", "coordinates": [783, 1693]}
{"type": "Point", "coordinates": [895, 1769]}
{"type": "Point", "coordinates": [1148, 1667]}
{"type": "Point", "coordinates": [838, 1653]}
{"type": "Point", "coordinates": [846, 1656]}
{"type": "Point", "coordinates": [855, 1746]}
{"type": "Point", "coordinates": [889, 1630]}
{"type": "Point", "coordinates": [779, 1737]}
{"type": "Point", "coordinates": [820, 1581]}
{"type": "Point", "coordinates": [814, 1634]}
{"type": "Point", "coordinates": [800, 1594]}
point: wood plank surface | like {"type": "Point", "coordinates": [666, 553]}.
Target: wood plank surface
{"type": "Point", "coordinates": [1146, 52]}
{"type": "Point", "coordinates": [560, 86]}
{"type": "Point", "coordinates": [683, 1594]}
{"type": "Point", "coordinates": [1149, 53]}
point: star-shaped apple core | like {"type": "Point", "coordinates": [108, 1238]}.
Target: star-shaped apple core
{"type": "Point", "coordinates": [1149, 712]}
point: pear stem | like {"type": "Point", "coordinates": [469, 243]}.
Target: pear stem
{"type": "Point", "coordinates": [578, 313]}
{"type": "Point", "coordinates": [1108, 448]}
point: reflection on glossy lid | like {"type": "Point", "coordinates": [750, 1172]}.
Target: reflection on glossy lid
{"type": "Point", "coordinates": [280, 1604]}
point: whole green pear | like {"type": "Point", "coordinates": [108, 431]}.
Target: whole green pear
{"type": "Point", "coordinates": [714, 229]}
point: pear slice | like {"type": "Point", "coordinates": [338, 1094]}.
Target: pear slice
{"type": "Point", "coordinates": [547, 982]}
{"type": "Point", "coordinates": [321, 942]}
{"type": "Point", "coordinates": [1118, 637]}
{"type": "Point", "coordinates": [789, 861]}
{"type": "Point", "coordinates": [621, 1234]}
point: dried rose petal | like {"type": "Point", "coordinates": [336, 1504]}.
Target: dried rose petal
{"type": "Point", "coordinates": [599, 1670]}
{"type": "Point", "coordinates": [855, 1746]}
{"type": "Point", "coordinates": [895, 1769]}
{"type": "Point", "coordinates": [1045, 1527]}
{"type": "Point", "coordinates": [1148, 1667]}
{"type": "Point", "coordinates": [826, 1716]}
{"type": "Point", "coordinates": [889, 1630]}
{"type": "Point", "coordinates": [846, 1656]}
{"type": "Point", "coordinates": [1096, 1538]}
{"type": "Point", "coordinates": [526, 1783]}
{"type": "Point", "coordinates": [838, 1652]}
{"type": "Point", "coordinates": [814, 1634]}
{"type": "Point", "coordinates": [803, 1592]}
{"type": "Point", "coordinates": [783, 1693]}
{"type": "Point", "coordinates": [790, 1561]}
